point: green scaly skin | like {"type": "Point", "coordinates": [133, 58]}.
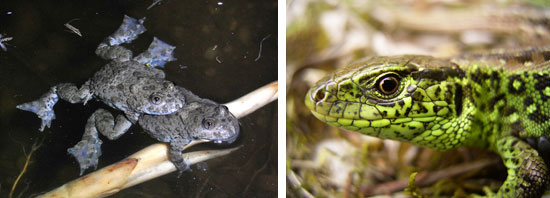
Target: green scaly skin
{"type": "Point", "coordinates": [444, 104]}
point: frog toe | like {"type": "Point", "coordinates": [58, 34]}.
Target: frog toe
{"type": "Point", "coordinates": [182, 166]}
{"type": "Point", "coordinates": [87, 153]}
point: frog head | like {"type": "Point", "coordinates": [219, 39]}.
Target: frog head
{"type": "Point", "coordinates": [155, 97]}
{"type": "Point", "coordinates": [210, 121]}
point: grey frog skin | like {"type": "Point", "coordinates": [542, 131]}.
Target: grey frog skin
{"type": "Point", "coordinates": [199, 119]}
{"type": "Point", "coordinates": [131, 85]}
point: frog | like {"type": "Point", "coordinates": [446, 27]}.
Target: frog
{"type": "Point", "coordinates": [133, 86]}
{"type": "Point", "coordinates": [136, 86]}
{"type": "Point", "coordinates": [199, 119]}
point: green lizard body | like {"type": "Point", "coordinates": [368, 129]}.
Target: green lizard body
{"type": "Point", "coordinates": [444, 104]}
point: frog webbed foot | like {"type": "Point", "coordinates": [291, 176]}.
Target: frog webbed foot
{"type": "Point", "coordinates": [88, 150]}
{"type": "Point", "coordinates": [43, 107]}
{"type": "Point", "coordinates": [128, 31]}
{"type": "Point", "coordinates": [176, 157]}
{"type": "Point", "coordinates": [158, 54]}
{"type": "Point", "coordinates": [87, 153]}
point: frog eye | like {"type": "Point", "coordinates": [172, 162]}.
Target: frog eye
{"type": "Point", "coordinates": [155, 99]}
{"type": "Point", "coordinates": [208, 123]}
{"type": "Point", "coordinates": [388, 84]}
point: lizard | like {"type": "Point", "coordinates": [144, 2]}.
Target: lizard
{"type": "Point", "coordinates": [497, 101]}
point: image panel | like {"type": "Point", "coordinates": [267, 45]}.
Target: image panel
{"type": "Point", "coordinates": [417, 98]}
{"type": "Point", "coordinates": [138, 98]}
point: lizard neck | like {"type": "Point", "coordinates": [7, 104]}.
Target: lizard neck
{"type": "Point", "coordinates": [483, 87]}
{"type": "Point", "coordinates": [506, 103]}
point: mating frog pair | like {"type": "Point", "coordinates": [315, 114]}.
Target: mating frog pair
{"type": "Point", "coordinates": [169, 113]}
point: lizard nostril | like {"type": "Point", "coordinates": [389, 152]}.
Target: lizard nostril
{"type": "Point", "coordinates": [319, 95]}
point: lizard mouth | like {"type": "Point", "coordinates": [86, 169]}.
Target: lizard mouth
{"type": "Point", "coordinates": [344, 111]}
{"type": "Point", "coordinates": [379, 119]}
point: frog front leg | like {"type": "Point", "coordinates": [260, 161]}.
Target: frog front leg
{"type": "Point", "coordinates": [128, 31]}
{"type": "Point", "coordinates": [528, 174]}
{"type": "Point", "coordinates": [176, 147]}
{"type": "Point", "coordinates": [43, 106]}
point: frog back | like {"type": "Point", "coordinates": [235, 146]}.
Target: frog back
{"type": "Point", "coordinates": [135, 88]}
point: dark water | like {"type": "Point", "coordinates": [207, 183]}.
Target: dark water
{"type": "Point", "coordinates": [44, 53]}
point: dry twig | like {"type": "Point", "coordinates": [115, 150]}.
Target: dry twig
{"type": "Point", "coordinates": [37, 144]}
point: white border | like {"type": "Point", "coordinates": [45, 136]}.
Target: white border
{"type": "Point", "coordinates": [281, 160]}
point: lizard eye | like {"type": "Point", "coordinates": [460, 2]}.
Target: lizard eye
{"type": "Point", "coordinates": [155, 99]}
{"type": "Point", "coordinates": [388, 84]}
{"type": "Point", "coordinates": [208, 123]}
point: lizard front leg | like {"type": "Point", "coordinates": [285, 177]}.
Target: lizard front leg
{"type": "Point", "coordinates": [528, 175]}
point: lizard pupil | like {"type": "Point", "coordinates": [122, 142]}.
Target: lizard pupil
{"type": "Point", "coordinates": [388, 85]}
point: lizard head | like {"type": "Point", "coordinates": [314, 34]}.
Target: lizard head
{"type": "Point", "coordinates": [397, 97]}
